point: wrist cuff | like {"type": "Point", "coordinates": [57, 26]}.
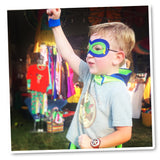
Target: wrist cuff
{"type": "Point", "coordinates": [54, 22]}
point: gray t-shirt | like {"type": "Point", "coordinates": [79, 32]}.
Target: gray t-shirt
{"type": "Point", "coordinates": [101, 108]}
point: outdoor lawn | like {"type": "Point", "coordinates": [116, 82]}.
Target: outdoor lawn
{"type": "Point", "coordinates": [22, 139]}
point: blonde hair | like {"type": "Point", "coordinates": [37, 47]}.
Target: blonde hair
{"type": "Point", "coordinates": [123, 35]}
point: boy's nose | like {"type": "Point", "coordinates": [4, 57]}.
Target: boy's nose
{"type": "Point", "coordinates": [89, 55]}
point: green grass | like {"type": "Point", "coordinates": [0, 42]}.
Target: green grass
{"type": "Point", "coordinates": [22, 139]}
{"type": "Point", "coordinates": [141, 135]}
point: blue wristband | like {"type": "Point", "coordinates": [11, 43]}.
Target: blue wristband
{"type": "Point", "coordinates": [54, 22]}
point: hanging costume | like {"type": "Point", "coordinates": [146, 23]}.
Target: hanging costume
{"type": "Point", "coordinates": [38, 75]}
{"type": "Point", "coordinates": [46, 83]}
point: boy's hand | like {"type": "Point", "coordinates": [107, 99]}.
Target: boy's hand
{"type": "Point", "coordinates": [54, 13]}
{"type": "Point", "coordinates": [84, 141]}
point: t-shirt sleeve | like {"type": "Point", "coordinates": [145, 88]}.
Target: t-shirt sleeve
{"type": "Point", "coordinates": [83, 70]}
{"type": "Point", "coordinates": [121, 108]}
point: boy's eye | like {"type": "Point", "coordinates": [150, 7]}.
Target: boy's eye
{"type": "Point", "coordinates": [97, 48]}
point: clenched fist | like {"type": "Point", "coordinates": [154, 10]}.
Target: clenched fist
{"type": "Point", "coordinates": [84, 141]}
{"type": "Point", "coordinates": [54, 13]}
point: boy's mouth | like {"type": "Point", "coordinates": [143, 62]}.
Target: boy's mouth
{"type": "Point", "coordinates": [90, 63]}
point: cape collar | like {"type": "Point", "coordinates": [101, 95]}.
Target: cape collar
{"type": "Point", "coordinates": [123, 75]}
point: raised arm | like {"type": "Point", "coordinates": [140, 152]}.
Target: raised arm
{"type": "Point", "coordinates": [62, 44]}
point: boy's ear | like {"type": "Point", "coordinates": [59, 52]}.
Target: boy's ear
{"type": "Point", "coordinates": [119, 57]}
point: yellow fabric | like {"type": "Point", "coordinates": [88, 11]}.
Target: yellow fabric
{"type": "Point", "coordinates": [147, 90]}
{"type": "Point", "coordinates": [76, 96]}
{"type": "Point", "coordinates": [43, 37]}
{"type": "Point", "coordinates": [67, 69]}
{"type": "Point", "coordinates": [37, 105]}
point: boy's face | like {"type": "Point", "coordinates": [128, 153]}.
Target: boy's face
{"type": "Point", "coordinates": [103, 64]}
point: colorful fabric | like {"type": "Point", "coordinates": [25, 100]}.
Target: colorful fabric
{"type": "Point", "coordinates": [61, 76]}
{"type": "Point", "coordinates": [54, 90]}
{"type": "Point", "coordinates": [76, 96]}
{"type": "Point", "coordinates": [70, 85]}
{"type": "Point", "coordinates": [39, 76]}
{"type": "Point", "coordinates": [58, 73]}
{"type": "Point", "coordinates": [56, 78]}
{"type": "Point", "coordinates": [72, 146]}
{"type": "Point", "coordinates": [49, 67]}
{"type": "Point", "coordinates": [123, 75]}
{"type": "Point", "coordinates": [64, 80]}
{"type": "Point", "coordinates": [39, 102]}
{"type": "Point", "coordinates": [147, 90]}
{"type": "Point", "coordinates": [71, 81]}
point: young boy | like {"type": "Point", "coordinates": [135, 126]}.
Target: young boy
{"type": "Point", "coordinates": [103, 116]}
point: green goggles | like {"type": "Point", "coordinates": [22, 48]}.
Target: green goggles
{"type": "Point", "coordinates": [99, 48]}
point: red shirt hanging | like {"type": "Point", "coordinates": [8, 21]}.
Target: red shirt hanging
{"type": "Point", "coordinates": [39, 76]}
